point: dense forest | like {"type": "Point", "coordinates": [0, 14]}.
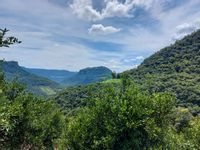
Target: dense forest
{"type": "Point", "coordinates": [155, 106]}
{"type": "Point", "coordinates": [174, 69]}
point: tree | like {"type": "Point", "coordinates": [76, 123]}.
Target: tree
{"type": "Point", "coordinates": [6, 41]}
{"type": "Point", "coordinates": [26, 121]}
{"type": "Point", "coordinates": [129, 119]}
{"type": "Point", "coordinates": [114, 75]}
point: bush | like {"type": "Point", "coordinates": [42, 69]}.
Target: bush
{"type": "Point", "coordinates": [26, 121]}
{"type": "Point", "coordinates": [129, 119]}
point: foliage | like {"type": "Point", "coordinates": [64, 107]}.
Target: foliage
{"type": "Point", "coordinates": [74, 97]}
{"type": "Point", "coordinates": [129, 119]}
{"type": "Point", "coordinates": [193, 132]}
{"type": "Point", "coordinates": [173, 69]}
{"type": "Point", "coordinates": [113, 114]}
{"type": "Point", "coordinates": [6, 41]}
{"type": "Point", "coordinates": [26, 121]}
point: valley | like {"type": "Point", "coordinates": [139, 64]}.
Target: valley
{"type": "Point", "coordinates": [100, 75]}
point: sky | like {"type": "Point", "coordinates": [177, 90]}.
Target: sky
{"type": "Point", "coordinates": [75, 34]}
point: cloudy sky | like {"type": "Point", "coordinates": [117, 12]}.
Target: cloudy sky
{"type": "Point", "coordinates": [74, 34]}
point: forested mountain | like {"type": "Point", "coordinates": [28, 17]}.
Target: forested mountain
{"type": "Point", "coordinates": [48, 82]}
{"type": "Point", "coordinates": [67, 78]}
{"type": "Point", "coordinates": [35, 84]}
{"type": "Point", "coordinates": [54, 75]}
{"type": "Point", "coordinates": [89, 75]}
{"type": "Point", "coordinates": [174, 69]}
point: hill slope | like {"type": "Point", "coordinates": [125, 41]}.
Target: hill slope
{"type": "Point", "coordinates": [35, 84]}
{"type": "Point", "coordinates": [89, 75]}
{"type": "Point", "coordinates": [174, 69]}
{"type": "Point", "coordinates": [77, 96]}
{"type": "Point", "coordinates": [54, 75]}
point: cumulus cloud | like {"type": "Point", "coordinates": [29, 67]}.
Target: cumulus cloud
{"type": "Point", "coordinates": [185, 29]}
{"type": "Point", "coordinates": [117, 9]}
{"type": "Point", "coordinates": [113, 8]}
{"type": "Point", "coordinates": [83, 9]}
{"type": "Point", "coordinates": [99, 29]}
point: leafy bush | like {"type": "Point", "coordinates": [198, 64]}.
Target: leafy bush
{"type": "Point", "coordinates": [129, 119]}
{"type": "Point", "coordinates": [26, 121]}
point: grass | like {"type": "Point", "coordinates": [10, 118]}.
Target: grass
{"type": "Point", "coordinates": [112, 81]}
{"type": "Point", "coordinates": [47, 90]}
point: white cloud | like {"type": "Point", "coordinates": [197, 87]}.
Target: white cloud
{"type": "Point", "coordinates": [118, 65]}
{"type": "Point", "coordinates": [116, 9]}
{"type": "Point", "coordinates": [113, 64]}
{"type": "Point", "coordinates": [147, 40]}
{"type": "Point", "coordinates": [139, 58]}
{"type": "Point", "coordinates": [83, 9]}
{"type": "Point", "coordinates": [113, 8]}
{"type": "Point", "coordinates": [185, 29]}
{"type": "Point", "coordinates": [99, 29]}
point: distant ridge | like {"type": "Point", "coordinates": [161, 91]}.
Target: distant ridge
{"type": "Point", "coordinates": [48, 82]}
{"type": "Point", "coordinates": [54, 75]}
{"type": "Point", "coordinates": [34, 83]}
{"type": "Point", "coordinates": [89, 75]}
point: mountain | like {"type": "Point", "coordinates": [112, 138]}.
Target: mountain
{"type": "Point", "coordinates": [54, 75]}
{"type": "Point", "coordinates": [174, 69]}
{"type": "Point", "coordinates": [89, 75]}
{"type": "Point", "coordinates": [35, 84]}
{"type": "Point", "coordinates": [76, 96]}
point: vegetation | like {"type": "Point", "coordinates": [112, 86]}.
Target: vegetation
{"type": "Point", "coordinates": [130, 119]}
{"type": "Point", "coordinates": [26, 121]}
{"type": "Point", "coordinates": [113, 118]}
{"type": "Point", "coordinates": [173, 69]}
{"type": "Point", "coordinates": [6, 41]}
{"type": "Point", "coordinates": [120, 120]}
{"type": "Point", "coordinates": [75, 97]}
{"type": "Point", "coordinates": [113, 114]}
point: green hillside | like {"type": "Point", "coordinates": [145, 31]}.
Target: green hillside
{"type": "Point", "coordinates": [174, 69]}
{"type": "Point", "coordinates": [35, 84]}
{"type": "Point", "coordinates": [77, 96]}
{"type": "Point", "coordinates": [89, 75]}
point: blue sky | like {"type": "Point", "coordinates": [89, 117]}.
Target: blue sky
{"type": "Point", "coordinates": [74, 34]}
